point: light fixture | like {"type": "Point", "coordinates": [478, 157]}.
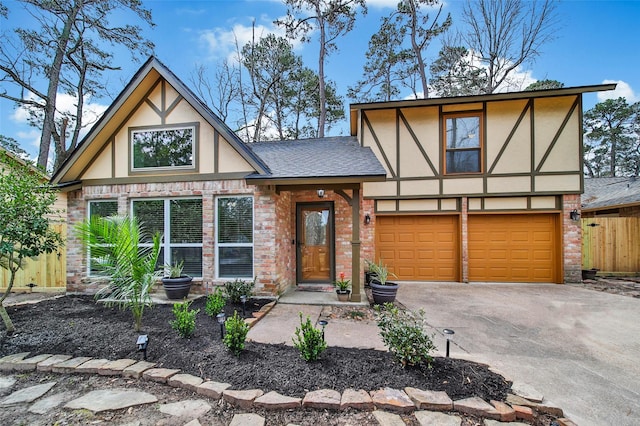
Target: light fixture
{"type": "Point", "coordinates": [367, 219]}
{"type": "Point", "coordinates": [243, 299]}
{"type": "Point", "coordinates": [320, 193]}
{"type": "Point", "coordinates": [323, 324]}
{"type": "Point", "coordinates": [574, 215]}
{"type": "Point", "coordinates": [449, 333]}
{"type": "Point", "coordinates": [221, 318]}
{"type": "Point", "coordinates": [142, 343]}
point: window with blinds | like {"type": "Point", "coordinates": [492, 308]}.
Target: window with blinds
{"type": "Point", "coordinates": [100, 208]}
{"type": "Point", "coordinates": [234, 242]}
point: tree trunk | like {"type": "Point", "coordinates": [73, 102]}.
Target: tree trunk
{"type": "Point", "coordinates": [7, 320]}
{"type": "Point", "coordinates": [322, 116]}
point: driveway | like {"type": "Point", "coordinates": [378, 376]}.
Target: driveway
{"type": "Point", "coordinates": [578, 347]}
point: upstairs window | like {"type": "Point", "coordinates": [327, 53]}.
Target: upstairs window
{"type": "Point", "coordinates": [463, 143]}
{"type": "Point", "coordinates": [166, 147]}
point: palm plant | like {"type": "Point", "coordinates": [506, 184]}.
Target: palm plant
{"type": "Point", "coordinates": [115, 246]}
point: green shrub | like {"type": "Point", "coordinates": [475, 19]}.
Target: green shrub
{"type": "Point", "coordinates": [236, 333]}
{"type": "Point", "coordinates": [309, 341]}
{"type": "Point", "coordinates": [185, 322]}
{"type": "Point", "coordinates": [215, 303]}
{"type": "Point", "coordinates": [235, 289]}
{"type": "Point", "coordinates": [403, 332]}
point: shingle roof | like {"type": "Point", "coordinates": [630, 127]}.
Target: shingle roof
{"type": "Point", "coordinates": [610, 192]}
{"type": "Point", "coordinates": [338, 156]}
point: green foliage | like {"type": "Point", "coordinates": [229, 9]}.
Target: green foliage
{"type": "Point", "coordinates": [115, 246]}
{"type": "Point", "coordinates": [185, 322]}
{"type": "Point", "coordinates": [236, 333]}
{"type": "Point", "coordinates": [237, 288]}
{"type": "Point", "coordinates": [175, 270]}
{"type": "Point", "coordinates": [403, 332]}
{"type": "Point", "coordinates": [26, 215]}
{"type": "Point", "coordinates": [342, 283]}
{"type": "Point", "coordinates": [215, 303]}
{"type": "Point", "coordinates": [379, 271]}
{"type": "Point", "coordinates": [308, 340]}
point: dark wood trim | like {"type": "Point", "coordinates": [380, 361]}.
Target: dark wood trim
{"type": "Point", "coordinates": [554, 141]}
{"type": "Point", "coordinates": [377, 141]}
{"type": "Point", "coordinates": [510, 137]}
{"type": "Point", "coordinates": [174, 104]}
{"type": "Point", "coordinates": [216, 151]}
{"type": "Point", "coordinates": [417, 142]}
{"type": "Point", "coordinates": [183, 177]}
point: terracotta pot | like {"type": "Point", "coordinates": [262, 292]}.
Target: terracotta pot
{"type": "Point", "coordinates": [343, 295]}
{"type": "Point", "coordinates": [177, 288]}
{"type": "Point", "coordinates": [383, 293]}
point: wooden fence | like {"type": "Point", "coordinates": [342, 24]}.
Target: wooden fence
{"type": "Point", "coordinates": [48, 271]}
{"type": "Point", "coordinates": [611, 244]}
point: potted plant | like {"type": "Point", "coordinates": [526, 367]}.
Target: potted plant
{"type": "Point", "coordinates": [343, 288]}
{"type": "Point", "coordinates": [382, 290]}
{"type": "Point", "coordinates": [176, 285]}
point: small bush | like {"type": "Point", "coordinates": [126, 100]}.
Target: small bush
{"type": "Point", "coordinates": [215, 303]}
{"type": "Point", "coordinates": [235, 289]}
{"type": "Point", "coordinates": [236, 335]}
{"type": "Point", "coordinates": [185, 322]}
{"type": "Point", "coordinates": [309, 341]}
{"type": "Point", "coordinates": [403, 332]}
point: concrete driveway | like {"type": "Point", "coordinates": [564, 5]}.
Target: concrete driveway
{"type": "Point", "coordinates": [578, 347]}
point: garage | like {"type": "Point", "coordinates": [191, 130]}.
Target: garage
{"type": "Point", "coordinates": [513, 248]}
{"type": "Point", "coordinates": [419, 248]}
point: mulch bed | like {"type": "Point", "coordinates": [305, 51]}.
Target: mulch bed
{"type": "Point", "coordinates": [78, 326]}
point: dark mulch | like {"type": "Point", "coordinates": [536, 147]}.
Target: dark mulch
{"type": "Point", "coordinates": [77, 326]}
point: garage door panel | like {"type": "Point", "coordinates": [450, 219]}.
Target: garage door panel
{"type": "Point", "coordinates": [422, 247]}
{"type": "Point", "coordinates": [513, 248]}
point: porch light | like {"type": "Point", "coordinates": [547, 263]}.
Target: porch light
{"type": "Point", "coordinates": [320, 193]}
{"type": "Point", "coordinates": [243, 299]}
{"type": "Point", "coordinates": [221, 318]}
{"type": "Point", "coordinates": [323, 324]}
{"type": "Point", "coordinates": [367, 219]}
{"type": "Point", "coordinates": [142, 343]}
{"type": "Point", "coordinates": [449, 334]}
{"type": "Point", "coordinates": [574, 215]}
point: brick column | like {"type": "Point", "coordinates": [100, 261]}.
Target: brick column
{"type": "Point", "coordinates": [572, 240]}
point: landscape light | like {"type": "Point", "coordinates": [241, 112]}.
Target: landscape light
{"type": "Point", "coordinates": [221, 318]}
{"type": "Point", "coordinates": [449, 333]}
{"type": "Point", "coordinates": [142, 343]}
{"type": "Point", "coordinates": [323, 324]}
{"type": "Point", "coordinates": [243, 299]}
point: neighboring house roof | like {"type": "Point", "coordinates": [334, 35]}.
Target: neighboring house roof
{"type": "Point", "coordinates": [610, 192]}
{"type": "Point", "coordinates": [308, 159]}
{"type": "Point", "coordinates": [16, 158]}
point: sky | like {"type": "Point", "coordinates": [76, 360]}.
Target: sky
{"type": "Point", "coordinates": [595, 42]}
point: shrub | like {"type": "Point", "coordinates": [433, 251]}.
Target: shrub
{"type": "Point", "coordinates": [308, 340]}
{"type": "Point", "coordinates": [404, 334]}
{"type": "Point", "coordinates": [185, 322]}
{"type": "Point", "coordinates": [236, 335]}
{"type": "Point", "coordinates": [235, 289]}
{"type": "Point", "coordinates": [215, 303]}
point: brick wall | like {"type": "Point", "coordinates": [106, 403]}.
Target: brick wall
{"type": "Point", "coordinates": [572, 240]}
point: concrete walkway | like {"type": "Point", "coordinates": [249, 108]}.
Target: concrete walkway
{"type": "Point", "coordinates": [579, 347]}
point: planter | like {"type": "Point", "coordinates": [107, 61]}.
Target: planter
{"type": "Point", "coordinates": [177, 288]}
{"type": "Point", "coordinates": [368, 277]}
{"type": "Point", "coordinates": [589, 274]}
{"type": "Point", "coordinates": [343, 295]}
{"type": "Point", "coordinates": [383, 293]}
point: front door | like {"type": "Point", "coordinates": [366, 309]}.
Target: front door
{"type": "Point", "coordinates": [315, 243]}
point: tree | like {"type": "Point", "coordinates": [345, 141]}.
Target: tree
{"type": "Point", "coordinates": [65, 55]}
{"type": "Point", "coordinates": [545, 85]}
{"type": "Point", "coordinates": [612, 139]}
{"type": "Point", "coordinates": [331, 19]}
{"type": "Point", "coordinates": [220, 92]}
{"type": "Point", "coordinates": [454, 73]}
{"type": "Point", "coordinates": [26, 213]}
{"type": "Point", "coordinates": [505, 34]}
{"type": "Point", "coordinates": [12, 145]}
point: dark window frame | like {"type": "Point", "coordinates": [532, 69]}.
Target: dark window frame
{"type": "Point", "coordinates": [446, 150]}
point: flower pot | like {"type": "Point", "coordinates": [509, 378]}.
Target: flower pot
{"type": "Point", "coordinates": [177, 288]}
{"type": "Point", "coordinates": [368, 277]}
{"type": "Point", "coordinates": [383, 293]}
{"type": "Point", "coordinates": [343, 295]}
{"type": "Point", "coordinates": [589, 274]}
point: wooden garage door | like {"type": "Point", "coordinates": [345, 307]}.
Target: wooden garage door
{"type": "Point", "coordinates": [419, 247]}
{"type": "Point", "coordinates": [513, 248]}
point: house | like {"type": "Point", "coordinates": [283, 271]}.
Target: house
{"type": "Point", "coordinates": [457, 189]}
{"type": "Point", "coordinates": [47, 272]}
{"type": "Point", "coordinates": [611, 197]}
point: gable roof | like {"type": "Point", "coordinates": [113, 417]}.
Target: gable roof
{"type": "Point", "coordinates": [141, 83]}
{"type": "Point", "coordinates": [321, 158]}
{"type": "Point", "coordinates": [12, 156]}
{"type": "Point", "coordinates": [610, 192]}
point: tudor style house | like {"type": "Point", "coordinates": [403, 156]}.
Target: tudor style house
{"type": "Point", "coordinates": [475, 188]}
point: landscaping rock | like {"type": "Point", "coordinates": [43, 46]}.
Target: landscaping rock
{"type": "Point", "coordinates": [160, 375]}
{"type": "Point", "coordinates": [507, 414]}
{"type": "Point", "coordinates": [189, 409]}
{"type": "Point", "coordinates": [524, 390]}
{"type": "Point", "coordinates": [114, 368]}
{"type": "Point", "coordinates": [44, 405]}
{"type": "Point", "coordinates": [48, 363]}
{"type": "Point", "coordinates": [110, 399]}
{"type": "Point", "coordinates": [92, 366]}
{"type": "Point", "coordinates": [212, 389]}
{"type": "Point", "coordinates": [385, 418]}
{"type": "Point", "coordinates": [392, 399]}
{"type": "Point", "coordinates": [70, 365]}
{"type": "Point", "coordinates": [565, 422]}
{"type": "Point", "coordinates": [8, 362]}
{"type": "Point", "coordinates": [433, 418]}
{"type": "Point", "coordinates": [274, 401]}
{"type": "Point", "coordinates": [29, 394]}
{"type": "Point", "coordinates": [249, 419]}
{"type": "Point", "coordinates": [489, 422]}
{"type": "Point", "coordinates": [185, 381]}
{"type": "Point", "coordinates": [30, 364]}
{"type": "Point", "coordinates": [356, 399]}
{"type": "Point", "coordinates": [242, 398]}
{"type": "Point", "coordinates": [523, 413]}
{"type": "Point", "coordinates": [476, 407]}
{"type": "Point", "coordinates": [549, 407]}
{"type": "Point", "coordinates": [430, 400]}
{"type": "Point", "coordinates": [6, 382]}
{"type": "Point", "coordinates": [136, 370]}
{"type": "Point", "coordinates": [322, 399]}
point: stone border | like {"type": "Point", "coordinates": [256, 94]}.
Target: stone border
{"type": "Point", "coordinates": [524, 404]}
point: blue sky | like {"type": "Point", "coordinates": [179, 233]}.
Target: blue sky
{"type": "Point", "coordinates": [596, 42]}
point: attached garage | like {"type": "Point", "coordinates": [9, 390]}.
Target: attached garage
{"type": "Point", "coordinates": [419, 248]}
{"type": "Point", "coordinates": [514, 248]}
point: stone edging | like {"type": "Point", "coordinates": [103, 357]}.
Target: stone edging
{"type": "Point", "coordinates": [523, 406]}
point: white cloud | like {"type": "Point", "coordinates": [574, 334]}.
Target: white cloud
{"type": "Point", "coordinates": [622, 90]}
{"type": "Point", "coordinates": [382, 3]}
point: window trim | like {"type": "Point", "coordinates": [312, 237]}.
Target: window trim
{"type": "Point", "coordinates": [481, 141]}
{"type": "Point", "coordinates": [251, 244]}
{"type": "Point", "coordinates": [195, 145]}
{"type": "Point", "coordinates": [88, 216]}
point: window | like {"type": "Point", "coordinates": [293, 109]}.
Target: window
{"type": "Point", "coordinates": [463, 143]}
{"type": "Point", "coordinates": [235, 237]}
{"type": "Point", "coordinates": [101, 208]}
{"type": "Point", "coordinates": [180, 222]}
{"type": "Point", "coordinates": [162, 148]}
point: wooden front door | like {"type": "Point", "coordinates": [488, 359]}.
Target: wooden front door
{"type": "Point", "coordinates": [315, 242]}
